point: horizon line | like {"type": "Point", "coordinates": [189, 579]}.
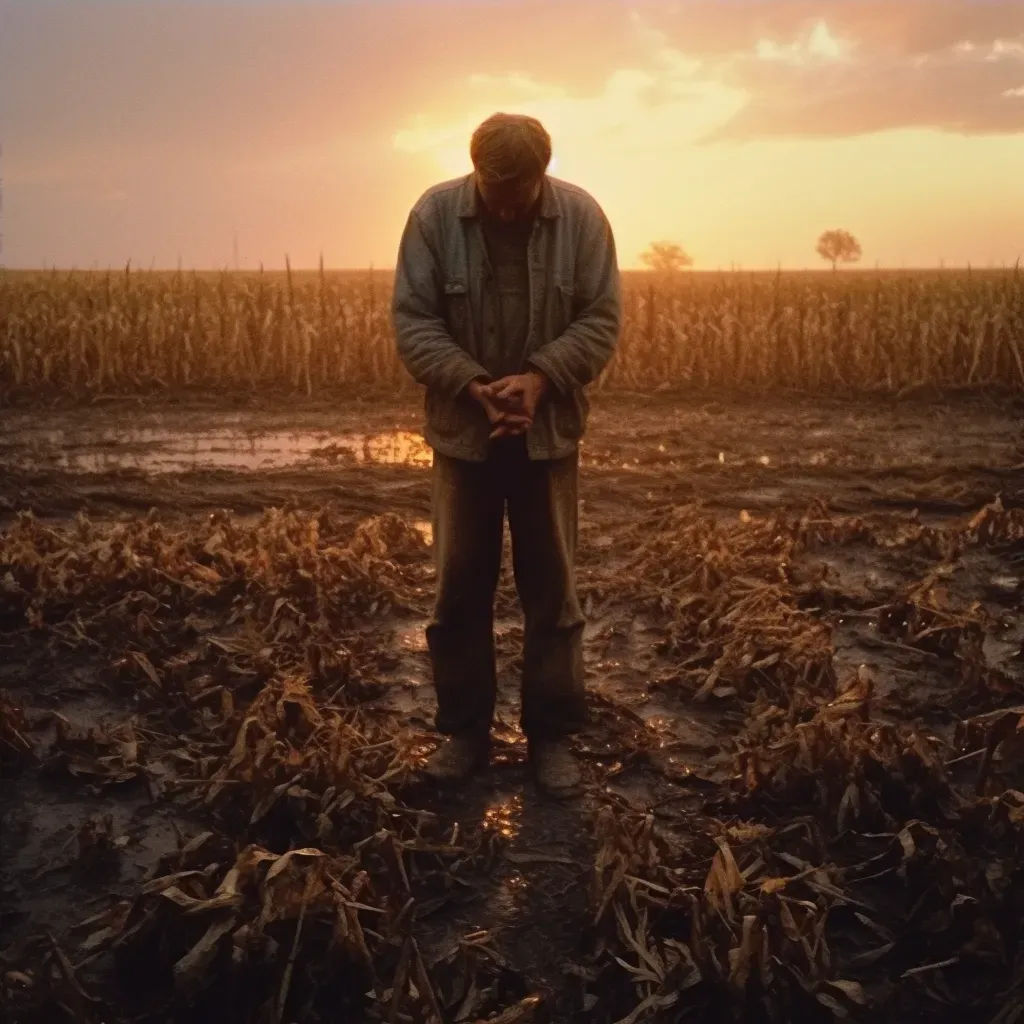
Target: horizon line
{"type": "Point", "coordinates": [371, 268]}
{"type": "Point", "coordinates": [699, 271]}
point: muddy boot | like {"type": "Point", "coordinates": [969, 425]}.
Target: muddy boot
{"type": "Point", "coordinates": [456, 758]}
{"type": "Point", "coordinates": [555, 769]}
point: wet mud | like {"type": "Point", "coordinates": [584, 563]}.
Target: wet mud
{"type": "Point", "coordinates": [106, 778]}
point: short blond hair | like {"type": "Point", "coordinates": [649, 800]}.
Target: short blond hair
{"type": "Point", "coordinates": [510, 147]}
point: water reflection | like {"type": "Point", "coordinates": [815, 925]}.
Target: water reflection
{"type": "Point", "coordinates": [395, 447]}
{"type": "Point", "coordinates": [163, 449]}
{"type": "Point", "coordinates": [503, 815]}
{"type": "Point", "coordinates": [155, 450]}
{"type": "Point", "coordinates": [412, 638]}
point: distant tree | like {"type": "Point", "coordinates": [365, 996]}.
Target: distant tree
{"type": "Point", "coordinates": [838, 246]}
{"type": "Point", "coordinates": [666, 257]}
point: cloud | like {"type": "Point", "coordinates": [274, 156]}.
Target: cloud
{"type": "Point", "coordinates": [818, 69]}
{"type": "Point", "coordinates": [1003, 49]}
{"type": "Point", "coordinates": [668, 103]}
{"type": "Point", "coordinates": [124, 123]}
{"type": "Point", "coordinates": [959, 87]}
{"type": "Point", "coordinates": [776, 72]}
{"type": "Point", "coordinates": [710, 28]}
{"type": "Point", "coordinates": [819, 44]}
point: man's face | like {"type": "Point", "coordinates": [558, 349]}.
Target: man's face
{"type": "Point", "coordinates": [509, 201]}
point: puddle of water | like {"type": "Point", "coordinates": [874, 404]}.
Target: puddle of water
{"type": "Point", "coordinates": [503, 815]}
{"type": "Point", "coordinates": [412, 638]}
{"type": "Point", "coordinates": [154, 450]}
{"type": "Point", "coordinates": [395, 447]}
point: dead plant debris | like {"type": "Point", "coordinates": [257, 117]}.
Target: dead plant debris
{"type": "Point", "coordinates": [847, 862]}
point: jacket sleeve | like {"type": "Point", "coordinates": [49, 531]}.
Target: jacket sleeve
{"type": "Point", "coordinates": [576, 357]}
{"type": "Point", "coordinates": [424, 343]}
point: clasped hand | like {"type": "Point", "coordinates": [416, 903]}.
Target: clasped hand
{"type": "Point", "coordinates": [511, 402]}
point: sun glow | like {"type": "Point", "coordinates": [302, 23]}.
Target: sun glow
{"type": "Point", "coordinates": [651, 144]}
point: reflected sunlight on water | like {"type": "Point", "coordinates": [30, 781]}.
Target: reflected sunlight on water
{"type": "Point", "coordinates": [155, 450]}
{"type": "Point", "coordinates": [503, 815]}
{"type": "Point", "coordinates": [394, 447]}
{"type": "Point", "coordinates": [412, 638]}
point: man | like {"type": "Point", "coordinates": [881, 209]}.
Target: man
{"type": "Point", "coordinates": [506, 304]}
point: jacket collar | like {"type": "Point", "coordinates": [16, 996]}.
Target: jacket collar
{"type": "Point", "coordinates": [468, 199]}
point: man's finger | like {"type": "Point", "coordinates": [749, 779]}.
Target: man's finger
{"type": "Point", "coordinates": [496, 412]}
{"type": "Point", "coordinates": [507, 431]}
{"type": "Point", "coordinates": [510, 425]}
{"type": "Point", "coordinates": [509, 396]}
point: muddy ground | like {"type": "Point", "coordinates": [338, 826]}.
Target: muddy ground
{"type": "Point", "coordinates": [892, 467]}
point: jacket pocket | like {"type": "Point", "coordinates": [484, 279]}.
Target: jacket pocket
{"type": "Point", "coordinates": [569, 416]}
{"type": "Point", "coordinates": [456, 310]}
{"type": "Point", "coordinates": [564, 306]}
{"type": "Point", "coordinates": [442, 414]}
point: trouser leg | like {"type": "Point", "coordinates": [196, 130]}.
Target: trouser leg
{"type": "Point", "coordinates": [543, 515]}
{"type": "Point", "coordinates": [468, 520]}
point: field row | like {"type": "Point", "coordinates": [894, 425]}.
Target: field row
{"type": "Point", "coordinates": [89, 333]}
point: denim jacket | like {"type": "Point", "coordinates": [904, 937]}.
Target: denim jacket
{"type": "Point", "coordinates": [437, 310]}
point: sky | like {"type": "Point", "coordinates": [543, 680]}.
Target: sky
{"type": "Point", "coordinates": [162, 131]}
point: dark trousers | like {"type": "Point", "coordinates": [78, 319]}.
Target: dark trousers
{"type": "Point", "coordinates": [469, 504]}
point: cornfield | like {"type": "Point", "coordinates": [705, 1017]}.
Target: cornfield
{"type": "Point", "coordinates": [91, 333]}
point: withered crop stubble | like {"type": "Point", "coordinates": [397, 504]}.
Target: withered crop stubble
{"type": "Point", "coordinates": [842, 863]}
